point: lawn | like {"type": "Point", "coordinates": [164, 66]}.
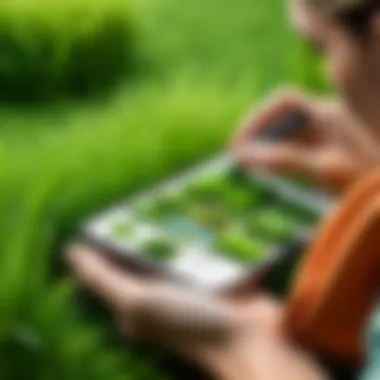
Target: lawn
{"type": "Point", "coordinates": [201, 65]}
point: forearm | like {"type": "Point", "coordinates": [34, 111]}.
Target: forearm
{"type": "Point", "coordinates": [266, 358]}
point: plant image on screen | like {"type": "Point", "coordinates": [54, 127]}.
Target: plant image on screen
{"type": "Point", "coordinates": [219, 209]}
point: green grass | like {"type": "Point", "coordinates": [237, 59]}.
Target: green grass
{"type": "Point", "coordinates": [48, 187]}
{"type": "Point", "coordinates": [55, 49]}
{"type": "Point", "coordinates": [201, 65]}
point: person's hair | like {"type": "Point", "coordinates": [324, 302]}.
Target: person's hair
{"type": "Point", "coordinates": [353, 14]}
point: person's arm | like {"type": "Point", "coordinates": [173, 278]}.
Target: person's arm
{"type": "Point", "coordinates": [263, 357]}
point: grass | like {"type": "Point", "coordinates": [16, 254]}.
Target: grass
{"type": "Point", "coordinates": [201, 65]}
{"type": "Point", "coordinates": [48, 188]}
{"type": "Point", "coordinates": [53, 49]}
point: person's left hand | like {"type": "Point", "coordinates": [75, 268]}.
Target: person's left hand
{"type": "Point", "coordinates": [233, 339]}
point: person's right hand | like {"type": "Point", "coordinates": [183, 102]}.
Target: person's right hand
{"type": "Point", "coordinates": [334, 149]}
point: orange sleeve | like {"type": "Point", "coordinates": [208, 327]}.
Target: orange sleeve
{"type": "Point", "coordinates": [338, 282]}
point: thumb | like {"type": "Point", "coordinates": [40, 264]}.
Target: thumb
{"type": "Point", "coordinates": [119, 289]}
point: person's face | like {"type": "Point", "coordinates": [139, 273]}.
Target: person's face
{"type": "Point", "coordinates": [353, 62]}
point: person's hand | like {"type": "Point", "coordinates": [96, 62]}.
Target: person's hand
{"type": "Point", "coordinates": [232, 339]}
{"type": "Point", "coordinates": [334, 149]}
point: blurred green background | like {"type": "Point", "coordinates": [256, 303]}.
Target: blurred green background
{"type": "Point", "coordinates": [98, 99]}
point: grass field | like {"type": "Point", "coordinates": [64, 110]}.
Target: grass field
{"type": "Point", "coordinates": [202, 64]}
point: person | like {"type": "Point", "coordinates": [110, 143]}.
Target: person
{"type": "Point", "coordinates": [341, 142]}
{"type": "Point", "coordinates": [248, 337]}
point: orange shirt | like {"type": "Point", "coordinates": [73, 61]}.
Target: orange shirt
{"type": "Point", "coordinates": [336, 289]}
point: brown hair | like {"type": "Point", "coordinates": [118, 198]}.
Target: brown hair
{"type": "Point", "coordinates": [353, 14]}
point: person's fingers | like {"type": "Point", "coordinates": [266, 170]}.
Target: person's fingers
{"type": "Point", "coordinates": [119, 289]}
{"type": "Point", "coordinates": [276, 109]}
{"type": "Point", "coordinates": [328, 166]}
{"type": "Point", "coordinates": [157, 312]}
{"type": "Point", "coordinates": [170, 311]}
{"type": "Point", "coordinates": [281, 158]}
